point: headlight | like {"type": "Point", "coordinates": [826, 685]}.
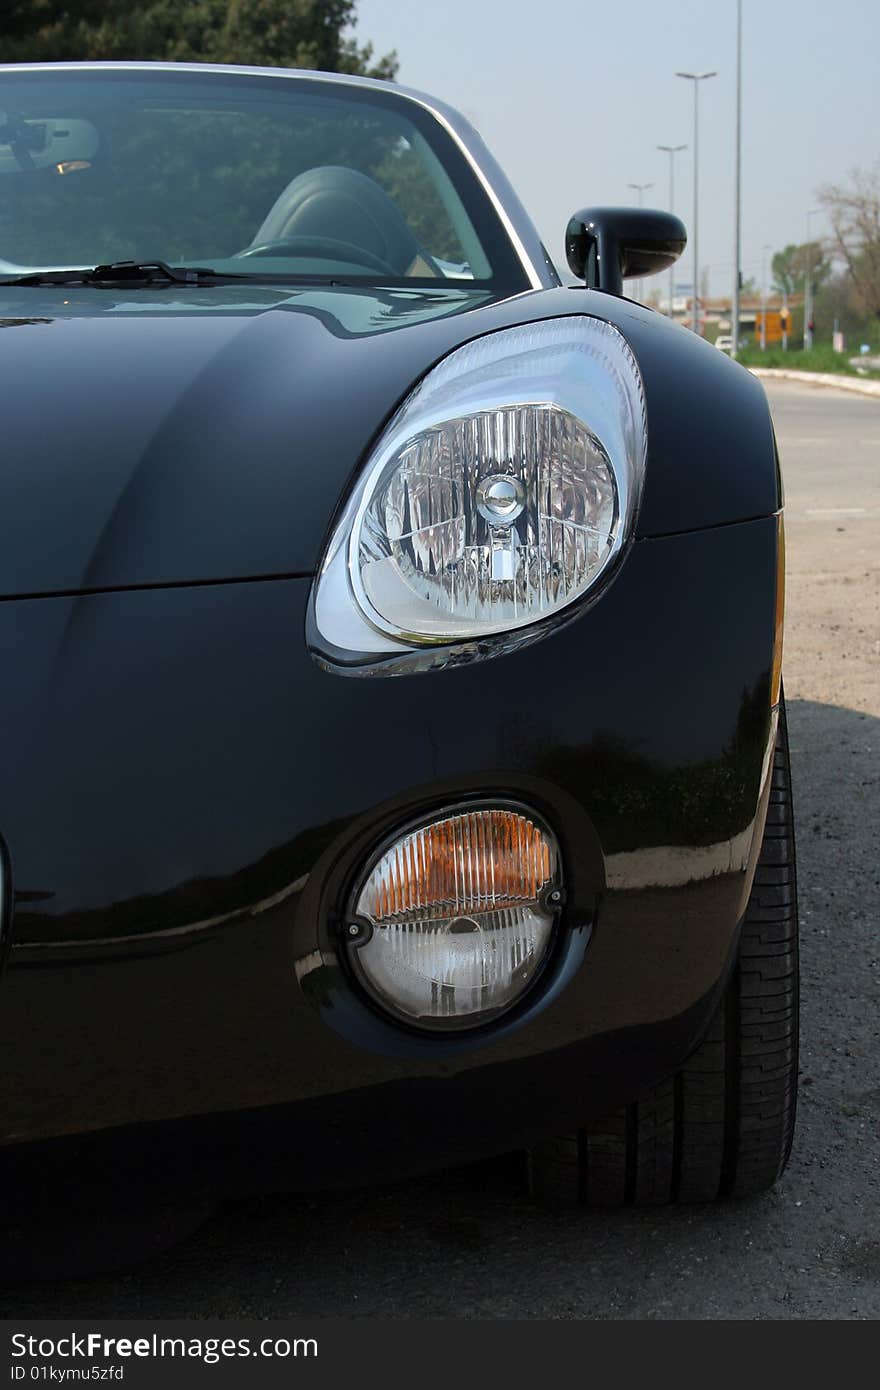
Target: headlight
{"type": "Point", "coordinates": [454, 918]}
{"type": "Point", "coordinates": [499, 495]}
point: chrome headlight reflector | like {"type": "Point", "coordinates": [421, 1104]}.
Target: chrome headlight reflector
{"type": "Point", "coordinates": [497, 497]}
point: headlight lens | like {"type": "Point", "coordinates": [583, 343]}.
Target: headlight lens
{"type": "Point", "coordinates": [485, 523]}
{"type": "Point", "coordinates": [499, 494]}
{"type": "Point", "coordinates": [461, 910]}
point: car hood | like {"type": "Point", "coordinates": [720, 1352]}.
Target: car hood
{"type": "Point", "coordinates": [151, 440]}
{"type": "Point", "coordinates": [164, 439]}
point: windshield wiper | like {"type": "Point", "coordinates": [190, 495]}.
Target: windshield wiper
{"type": "Point", "coordinates": [126, 273]}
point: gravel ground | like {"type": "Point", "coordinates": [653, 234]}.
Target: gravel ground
{"type": "Point", "coordinates": [467, 1244]}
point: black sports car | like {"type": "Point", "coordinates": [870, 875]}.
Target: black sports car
{"type": "Point", "coordinates": [394, 757]}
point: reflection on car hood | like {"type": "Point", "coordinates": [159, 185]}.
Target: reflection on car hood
{"type": "Point", "coordinates": [185, 436]}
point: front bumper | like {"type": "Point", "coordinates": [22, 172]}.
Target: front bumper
{"type": "Point", "coordinates": [180, 779]}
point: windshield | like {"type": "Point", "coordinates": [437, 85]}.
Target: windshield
{"type": "Point", "coordinates": [281, 178]}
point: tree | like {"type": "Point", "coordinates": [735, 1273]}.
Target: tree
{"type": "Point", "coordinates": [854, 212]}
{"type": "Point", "coordinates": [790, 267]}
{"type": "Point", "coordinates": [271, 33]}
{"type": "Point", "coordinates": [835, 307]}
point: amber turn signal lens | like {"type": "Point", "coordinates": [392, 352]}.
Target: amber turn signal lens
{"type": "Point", "coordinates": [469, 863]}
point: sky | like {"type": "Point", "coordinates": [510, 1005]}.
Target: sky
{"type": "Point", "coordinates": [573, 96]}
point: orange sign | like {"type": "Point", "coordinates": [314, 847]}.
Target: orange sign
{"type": "Point", "coordinates": [778, 323]}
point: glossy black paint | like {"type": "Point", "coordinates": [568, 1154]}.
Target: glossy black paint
{"type": "Point", "coordinates": [183, 783]}
{"type": "Point", "coordinates": [605, 246]}
{"type": "Point", "coordinates": [212, 437]}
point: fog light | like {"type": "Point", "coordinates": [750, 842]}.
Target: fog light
{"type": "Point", "coordinates": [461, 909]}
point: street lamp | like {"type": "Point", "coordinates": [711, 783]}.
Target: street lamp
{"type": "Point", "coordinates": [672, 151]}
{"type": "Point", "coordinates": [764, 249]}
{"type": "Point", "coordinates": [808, 284]}
{"type": "Point", "coordinates": [696, 78]}
{"type": "Point", "coordinates": [640, 284]}
{"type": "Point", "coordinates": [737, 216]}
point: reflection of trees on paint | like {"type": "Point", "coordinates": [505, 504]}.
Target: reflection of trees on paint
{"type": "Point", "coordinates": [636, 802]}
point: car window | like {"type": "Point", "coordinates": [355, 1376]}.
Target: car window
{"type": "Point", "coordinates": [273, 175]}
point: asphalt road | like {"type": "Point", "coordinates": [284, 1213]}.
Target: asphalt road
{"type": "Point", "coordinates": [468, 1244]}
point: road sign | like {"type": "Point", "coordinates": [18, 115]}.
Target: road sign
{"type": "Point", "coordinates": [775, 325]}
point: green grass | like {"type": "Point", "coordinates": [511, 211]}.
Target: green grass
{"type": "Point", "coordinates": [821, 358]}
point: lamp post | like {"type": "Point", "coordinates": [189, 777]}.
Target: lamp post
{"type": "Point", "coordinates": [737, 218]}
{"type": "Point", "coordinates": [672, 151]}
{"type": "Point", "coordinates": [808, 284]}
{"type": "Point", "coordinates": [640, 187]}
{"type": "Point", "coordinates": [696, 78]}
{"type": "Point", "coordinates": [764, 249]}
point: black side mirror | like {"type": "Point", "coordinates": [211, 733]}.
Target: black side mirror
{"type": "Point", "coordinates": [605, 246]}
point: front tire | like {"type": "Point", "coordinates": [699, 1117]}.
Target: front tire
{"type": "Point", "coordinates": [722, 1125]}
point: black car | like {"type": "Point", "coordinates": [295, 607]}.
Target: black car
{"type": "Point", "coordinates": [394, 755]}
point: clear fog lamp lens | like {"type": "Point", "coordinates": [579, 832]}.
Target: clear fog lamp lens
{"type": "Point", "coordinates": [462, 911]}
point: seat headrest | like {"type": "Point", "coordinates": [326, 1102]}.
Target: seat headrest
{"type": "Point", "coordinates": [345, 205]}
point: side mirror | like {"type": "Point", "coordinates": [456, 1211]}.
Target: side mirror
{"type": "Point", "coordinates": [605, 246]}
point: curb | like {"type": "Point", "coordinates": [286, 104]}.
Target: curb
{"type": "Point", "coordinates": [843, 383]}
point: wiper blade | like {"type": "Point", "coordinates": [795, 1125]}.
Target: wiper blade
{"type": "Point", "coordinates": [126, 273]}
